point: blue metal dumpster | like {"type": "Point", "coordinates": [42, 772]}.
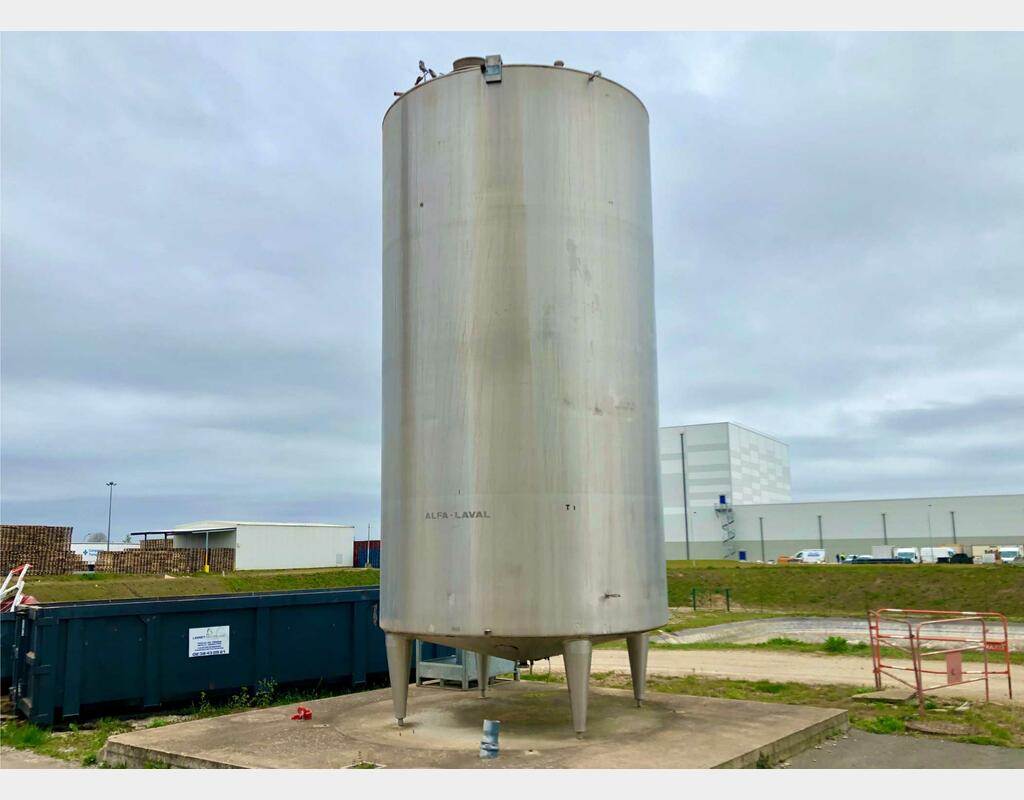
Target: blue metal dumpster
{"type": "Point", "coordinates": [6, 649]}
{"type": "Point", "coordinates": [131, 654]}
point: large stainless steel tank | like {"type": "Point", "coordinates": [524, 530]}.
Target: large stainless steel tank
{"type": "Point", "coordinates": [521, 485]}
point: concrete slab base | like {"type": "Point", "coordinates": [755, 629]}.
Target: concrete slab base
{"type": "Point", "coordinates": [444, 730]}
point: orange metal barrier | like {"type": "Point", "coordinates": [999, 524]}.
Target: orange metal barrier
{"type": "Point", "coordinates": [913, 631]}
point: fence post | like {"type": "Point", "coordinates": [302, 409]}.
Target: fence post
{"type": "Point", "coordinates": [693, 597]}
{"type": "Point", "coordinates": [728, 604]}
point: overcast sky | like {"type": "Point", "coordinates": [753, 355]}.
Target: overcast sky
{"type": "Point", "coordinates": [191, 260]}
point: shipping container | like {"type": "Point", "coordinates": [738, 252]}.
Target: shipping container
{"type": "Point", "coordinates": [6, 649]}
{"type": "Point", "coordinates": [78, 658]}
{"type": "Point", "coordinates": [366, 554]}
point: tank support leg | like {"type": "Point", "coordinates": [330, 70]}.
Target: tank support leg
{"type": "Point", "coordinates": [483, 668]}
{"type": "Point", "coordinates": [399, 650]}
{"type": "Point", "coordinates": [638, 644]}
{"type": "Point", "coordinates": [577, 675]}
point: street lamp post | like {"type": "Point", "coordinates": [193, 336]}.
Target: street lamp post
{"type": "Point", "coordinates": [366, 556]}
{"type": "Point", "coordinates": [110, 508]}
{"type": "Point", "coordinates": [931, 544]}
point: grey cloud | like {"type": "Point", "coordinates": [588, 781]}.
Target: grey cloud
{"type": "Point", "coordinates": [191, 288]}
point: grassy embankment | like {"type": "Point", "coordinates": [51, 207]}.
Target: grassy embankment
{"type": "Point", "coordinates": [852, 588]}
{"type": "Point", "coordinates": [113, 586]}
{"type": "Point", "coordinates": [755, 588]}
{"type": "Point", "coordinates": [993, 724]}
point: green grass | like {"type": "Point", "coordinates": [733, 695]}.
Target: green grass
{"type": "Point", "coordinates": [993, 723]}
{"type": "Point", "coordinates": [115, 586]}
{"type": "Point", "coordinates": [783, 645]}
{"type": "Point", "coordinates": [846, 589]}
{"type": "Point", "coordinates": [884, 723]}
{"type": "Point", "coordinates": [756, 589]}
{"type": "Point", "coordinates": [81, 743]}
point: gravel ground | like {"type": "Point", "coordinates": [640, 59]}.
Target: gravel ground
{"type": "Point", "coordinates": [26, 759]}
{"type": "Point", "coordinates": [753, 665]}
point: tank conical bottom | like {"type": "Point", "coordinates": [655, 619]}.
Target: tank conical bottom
{"type": "Point", "coordinates": [515, 648]}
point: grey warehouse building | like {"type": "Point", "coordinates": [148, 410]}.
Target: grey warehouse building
{"type": "Point", "coordinates": [703, 464]}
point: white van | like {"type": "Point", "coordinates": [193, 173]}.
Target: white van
{"type": "Point", "coordinates": [810, 557]}
{"type": "Point", "coordinates": [931, 555]}
{"type": "Point", "coordinates": [909, 553]}
{"type": "Point", "coordinates": [1010, 553]}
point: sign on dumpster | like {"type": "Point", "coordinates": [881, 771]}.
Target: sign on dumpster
{"type": "Point", "coordinates": [209, 641]}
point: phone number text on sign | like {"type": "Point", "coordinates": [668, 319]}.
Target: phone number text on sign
{"type": "Point", "coordinates": [209, 641]}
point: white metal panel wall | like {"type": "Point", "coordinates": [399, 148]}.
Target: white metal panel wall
{"type": "Point", "coordinates": [708, 470]}
{"type": "Point", "coordinates": [990, 519]}
{"type": "Point", "coordinates": [293, 546]}
{"type": "Point", "coordinates": [759, 466]}
{"type": "Point", "coordinates": [720, 459]}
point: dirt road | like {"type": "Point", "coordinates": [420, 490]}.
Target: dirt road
{"type": "Point", "coordinates": [798, 667]}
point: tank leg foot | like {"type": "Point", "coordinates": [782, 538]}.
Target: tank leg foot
{"type": "Point", "coordinates": [638, 644]}
{"type": "Point", "coordinates": [483, 668]}
{"type": "Point", "coordinates": [577, 674]}
{"type": "Point", "coordinates": [399, 650]}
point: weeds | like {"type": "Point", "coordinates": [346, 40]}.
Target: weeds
{"type": "Point", "coordinates": [883, 724]}
{"type": "Point", "coordinates": [23, 735]}
{"type": "Point", "coordinates": [836, 644]}
{"type": "Point", "coordinates": [78, 743]}
{"type": "Point", "coordinates": [265, 691]}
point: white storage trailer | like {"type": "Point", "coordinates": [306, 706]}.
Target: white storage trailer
{"type": "Point", "coordinates": [273, 545]}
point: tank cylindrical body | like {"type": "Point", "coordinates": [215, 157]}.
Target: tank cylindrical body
{"type": "Point", "coordinates": [521, 496]}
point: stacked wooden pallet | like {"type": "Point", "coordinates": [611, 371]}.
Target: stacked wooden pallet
{"type": "Point", "coordinates": [157, 544]}
{"type": "Point", "coordinates": [160, 560]}
{"type": "Point", "coordinates": [46, 547]}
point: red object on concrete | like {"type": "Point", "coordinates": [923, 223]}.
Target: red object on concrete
{"type": "Point", "coordinates": [302, 713]}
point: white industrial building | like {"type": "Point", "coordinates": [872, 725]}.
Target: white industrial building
{"type": "Point", "coordinates": [272, 545]}
{"type": "Point", "coordinates": [703, 464]}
